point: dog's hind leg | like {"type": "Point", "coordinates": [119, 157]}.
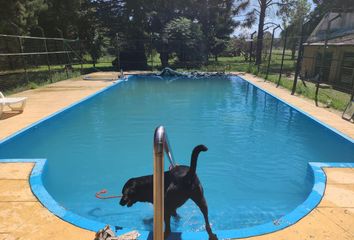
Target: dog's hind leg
{"type": "Point", "coordinates": [175, 214]}
{"type": "Point", "coordinates": [167, 224]}
{"type": "Point", "coordinates": [202, 204]}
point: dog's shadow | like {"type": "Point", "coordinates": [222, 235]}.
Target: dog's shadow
{"type": "Point", "coordinates": [149, 222]}
{"type": "Point", "coordinates": [173, 236]}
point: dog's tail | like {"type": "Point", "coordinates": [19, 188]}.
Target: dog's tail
{"type": "Point", "coordinates": [194, 158]}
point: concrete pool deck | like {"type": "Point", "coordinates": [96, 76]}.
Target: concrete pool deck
{"type": "Point", "coordinates": [23, 217]}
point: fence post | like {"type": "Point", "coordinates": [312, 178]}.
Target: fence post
{"type": "Point", "coordinates": [282, 58]}
{"type": "Point", "coordinates": [23, 58]}
{"type": "Point", "coordinates": [68, 57]}
{"type": "Point", "coordinates": [251, 47]}
{"type": "Point", "coordinates": [299, 58]}
{"type": "Point", "coordinates": [63, 46]}
{"type": "Point", "coordinates": [323, 60]}
{"type": "Point", "coordinates": [151, 56]}
{"type": "Point", "coordinates": [118, 51]}
{"type": "Point", "coordinates": [81, 55]}
{"type": "Point", "coordinates": [270, 52]}
{"type": "Point", "coordinates": [65, 64]}
{"type": "Point", "coordinates": [47, 56]}
{"type": "Point", "coordinates": [46, 50]}
{"type": "Point", "coordinates": [59, 62]}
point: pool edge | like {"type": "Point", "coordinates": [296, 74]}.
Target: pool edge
{"type": "Point", "coordinates": [300, 212]}
{"type": "Point", "coordinates": [288, 220]}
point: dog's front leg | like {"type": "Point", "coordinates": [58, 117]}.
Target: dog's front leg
{"type": "Point", "coordinates": [167, 224]}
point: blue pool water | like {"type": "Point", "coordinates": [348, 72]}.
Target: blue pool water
{"type": "Point", "coordinates": [254, 172]}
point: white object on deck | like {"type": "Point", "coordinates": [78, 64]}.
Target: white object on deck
{"type": "Point", "coordinates": [14, 103]}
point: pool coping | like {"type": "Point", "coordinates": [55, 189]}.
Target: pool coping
{"type": "Point", "coordinates": [301, 211]}
{"type": "Point", "coordinates": [314, 198]}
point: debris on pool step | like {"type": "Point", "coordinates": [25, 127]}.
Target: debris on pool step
{"type": "Point", "coordinates": [108, 234]}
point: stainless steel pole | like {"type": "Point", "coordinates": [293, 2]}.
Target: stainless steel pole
{"type": "Point", "coordinates": [159, 145]}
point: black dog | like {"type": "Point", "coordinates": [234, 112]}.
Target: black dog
{"type": "Point", "coordinates": [181, 184]}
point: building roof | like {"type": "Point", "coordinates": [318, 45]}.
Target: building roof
{"type": "Point", "coordinates": [347, 40]}
{"type": "Point", "coordinates": [341, 31]}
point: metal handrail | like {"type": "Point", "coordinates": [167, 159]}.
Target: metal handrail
{"type": "Point", "coordinates": [161, 137]}
{"type": "Point", "coordinates": [161, 145]}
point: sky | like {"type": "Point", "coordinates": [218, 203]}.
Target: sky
{"type": "Point", "coordinates": [270, 18]}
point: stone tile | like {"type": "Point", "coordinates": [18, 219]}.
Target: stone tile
{"type": "Point", "coordinates": [314, 226]}
{"type": "Point", "coordinates": [15, 190]}
{"type": "Point", "coordinates": [338, 195]}
{"type": "Point", "coordinates": [340, 175]}
{"type": "Point", "coordinates": [15, 170]}
{"type": "Point", "coordinates": [7, 236]}
{"type": "Point", "coordinates": [30, 220]}
{"type": "Point", "coordinates": [343, 217]}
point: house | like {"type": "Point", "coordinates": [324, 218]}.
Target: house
{"type": "Point", "coordinates": [338, 64]}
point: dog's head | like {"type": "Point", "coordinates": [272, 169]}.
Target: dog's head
{"type": "Point", "coordinates": [129, 193]}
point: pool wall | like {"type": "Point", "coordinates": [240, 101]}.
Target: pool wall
{"type": "Point", "coordinates": [314, 198]}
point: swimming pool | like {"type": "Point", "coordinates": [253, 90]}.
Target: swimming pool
{"type": "Point", "coordinates": [256, 169]}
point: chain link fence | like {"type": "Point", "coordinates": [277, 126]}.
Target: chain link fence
{"type": "Point", "coordinates": [288, 61]}
{"type": "Point", "coordinates": [35, 60]}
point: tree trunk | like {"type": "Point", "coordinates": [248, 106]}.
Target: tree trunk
{"type": "Point", "coordinates": [164, 59]}
{"type": "Point", "coordinates": [263, 7]}
{"type": "Point", "coordinates": [216, 58]}
{"type": "Point", "coordinates": [293, 51]}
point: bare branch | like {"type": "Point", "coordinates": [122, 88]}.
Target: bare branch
{"type": "Point", "coordinates": [276, 3]}
{"type": "Point", "coordinates": [242, 6]}
{"type": "Point", "coordinates": [268, 2]}
{"type": "Point", "coordinates": [250, 19]}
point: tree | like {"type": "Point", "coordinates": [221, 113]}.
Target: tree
{"type": "Point", "coordinates": [217, 46]}
{"type": "Point", "coordinates": [184, 38]}
{"type": "Point", "coordinates": [61, 18]}
{"type": "Point", "coordinates": [135, 22]}
{"type": "Point", "coordinates": [219, 25]}
{"type": "Point", "coordinates": [19, 16]}
{"type": "Point", "coordinates": [215, 18]}
{"type": "Point", "coordinates": [293, 16]}
{"type": "Point", "coordinates": [90, 30]}
{"type": "Point", "coordinates": [259, 12]}
{"type": "Point", "coordinates": [238, 46]}
{"type": "Point", "coordinates": [128, 19]}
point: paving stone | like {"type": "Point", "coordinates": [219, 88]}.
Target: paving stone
{"type": "Point", "coordinates": [343, 217]}
{"type": "Point", "coordinates": [338, 195]}
{"type": "Point", "coordinates": [15, 170]}
{"type": "Point", "coordinates": [31, 221]}
{"type": "Point", "coordinates": [314, 226]}
{"type": "Point", "coordinates": [15, 190]}
{"type": "Point", "coordinates": [340, 176]}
